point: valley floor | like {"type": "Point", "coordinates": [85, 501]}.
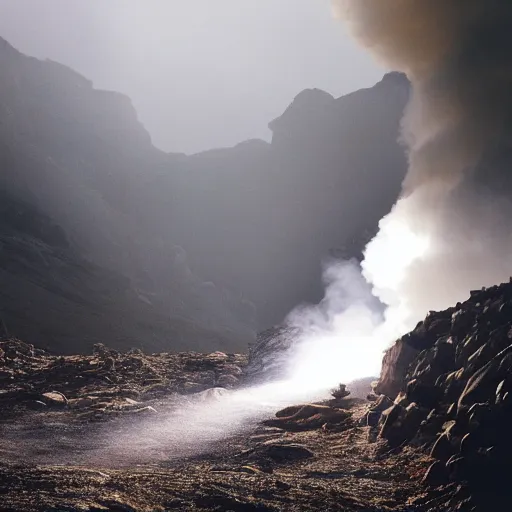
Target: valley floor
{"type": "Point", "coordinates": [57, 415]}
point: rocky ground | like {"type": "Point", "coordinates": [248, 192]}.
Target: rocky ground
{"type": "Point", "coordinates": [436, 438]}
{"type": "Point", "coordinates": [57, 410]}
{"type": "Point", "coordinates": [452, 381]}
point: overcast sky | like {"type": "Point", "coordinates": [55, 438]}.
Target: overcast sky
{"type": "Point", "coordinates": [201, 73]}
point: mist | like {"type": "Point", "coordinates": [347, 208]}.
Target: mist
{"type": "Point", "coordinates": [201, 74]}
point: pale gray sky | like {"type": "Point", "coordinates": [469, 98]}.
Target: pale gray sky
{"type": "Point", "coordinates": [201, 73]}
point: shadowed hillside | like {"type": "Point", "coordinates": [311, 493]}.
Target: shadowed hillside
{"type": "Point", "coordinates": [202, 250]}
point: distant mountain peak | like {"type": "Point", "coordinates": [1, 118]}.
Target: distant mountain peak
{"type": "Point", "coordinates": [394, 78]}
{"type": "Point", "coordinates": [308, 101]}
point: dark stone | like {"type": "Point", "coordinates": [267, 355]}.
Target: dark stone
{"type": "Point", "coordinates": [414, 417]}
{"type": "Point", "coordinates": [382, 403]}
{"type": "Point", "coordinates": [54, 399]}
{"type": "Point", "coordinates": [462, 321]}
{"type": "Point", "coordinates": [443, 448]}
{"type": "Point", "coordinates": [436, 474]}
{"type": "Point", "coordinates": [423, 394]}
{"type": "Point", "coordinates": [372, 418]}
{"type": "Point", "coordinates": [394, 368]}
{"type": "Point", "coordinates": [389, 417]}
{"type": "Point", "coordinates": [285, 452]}
{"type": "Point", "coordinates": [478, 386]}
{"type": "Point", "coordinates": [400, 425]}
{"type": "Point", "coordinates": [310, 417]}
{"type": "Point", "coordinates": [458, 467]}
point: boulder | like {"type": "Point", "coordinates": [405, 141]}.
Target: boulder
{"type": "Point", "coordinates": [310, 417]}
{"type": "Point", "coordinates": [424, 394]}
{"type": "Point", "coordinates": [395, 366]}
{"type": "Point", "coordinates": [399, 424]}
{"type": "Point", "coordinates": [284, 452]}
{"type": "Point", "coordinates": [374, 412]}
{"type": "Point", "coordinates": [54, 399]}
{"type": "Point", "coordinates": [436, 474]}
{"type": "Point", "coordinates": [443, 448]}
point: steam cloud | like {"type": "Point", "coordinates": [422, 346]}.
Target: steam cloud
{"type": "Point", "coordinates": [449, 232]}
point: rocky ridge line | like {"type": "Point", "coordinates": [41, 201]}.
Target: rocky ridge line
{"type": "Point", "coordinates": [446, 389]}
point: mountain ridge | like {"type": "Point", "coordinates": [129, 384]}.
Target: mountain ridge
{"type": "Point", "coordinates": [227, 240]}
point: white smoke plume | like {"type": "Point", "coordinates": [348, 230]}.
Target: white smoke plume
{"type": "Point", "coordinates": [341, 336]}
{"type": "Point", "coordinates": [449, 232]}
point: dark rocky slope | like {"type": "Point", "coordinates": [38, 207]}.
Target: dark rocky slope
{"type": "Point", "coordinates": [450, 380]}
{"type": "Point", "coordinates": [52, 296]}
{"type": "Point", "coordinates": [209, 247]}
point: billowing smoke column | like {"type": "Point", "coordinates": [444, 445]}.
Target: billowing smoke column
{"type": "Point", "coordinates": [450, 232]}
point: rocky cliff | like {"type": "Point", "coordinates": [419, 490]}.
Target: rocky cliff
{"type": "Point", "coordinates": [53, 296]}
{"type": "Point", "coordinates": [207, 248]}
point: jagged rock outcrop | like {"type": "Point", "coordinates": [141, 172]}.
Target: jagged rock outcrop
{"type": "Point", "coordinates": [450, 380]}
